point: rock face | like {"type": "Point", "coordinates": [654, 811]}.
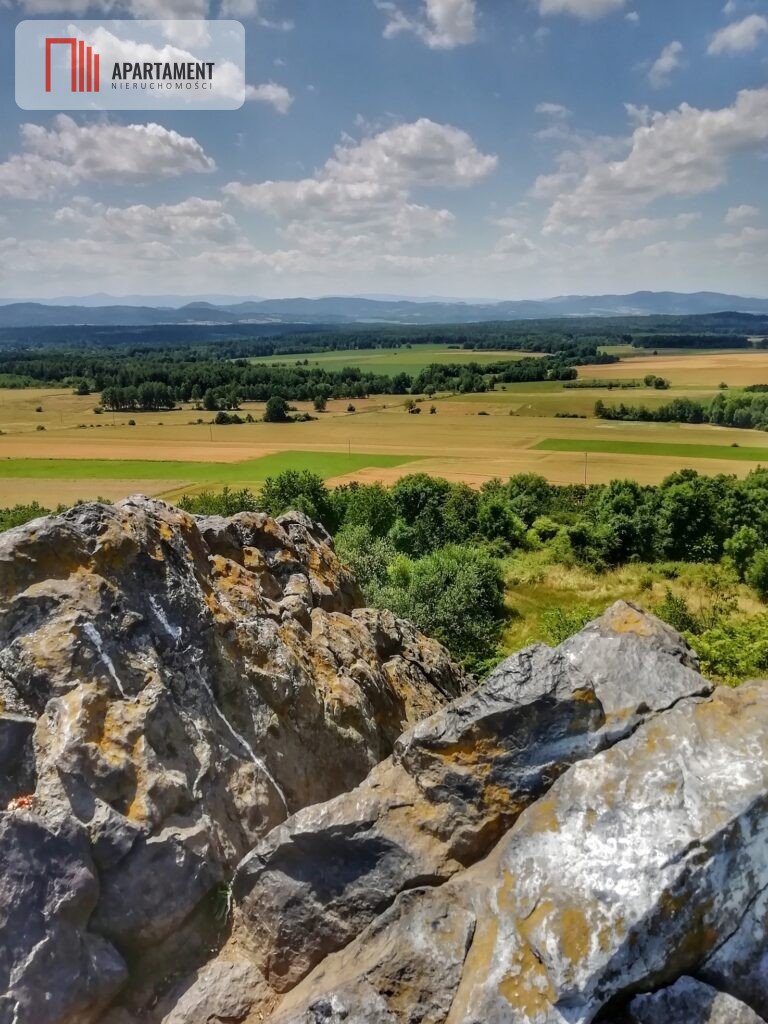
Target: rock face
{"type": "Point", "coordinates": [234, 797]}
{"type": "Point", "coordinates": [171, 689]}
{"type": "Point", "coordinates": [691, 1001]}
{"type": "Point", "coordinates": [589, 824]}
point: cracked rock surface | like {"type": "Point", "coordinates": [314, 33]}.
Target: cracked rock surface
{"type": "Point", "coordinates": [171, 689]}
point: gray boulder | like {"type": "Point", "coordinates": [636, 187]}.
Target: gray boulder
{"type": "Point", "coordinates": [691, 1002]}
{"type": "Point", "coordinates": [456, 782]}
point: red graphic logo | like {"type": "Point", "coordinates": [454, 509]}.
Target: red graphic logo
{"type": "Point", "coordinates": [84, 65]}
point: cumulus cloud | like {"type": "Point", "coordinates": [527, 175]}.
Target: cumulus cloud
{"type": "Point", "coordinates": [441, 24]}
{"type": "Point", "coordinates": [364, 191]}
{"type": "Point", "coordinates": [681, 153]}
{"type": "Point", "coordinates": [746, 239]}
{"type": "Point", "coordinates": [276, 96]}
{"type": "Point", "coordinates": [70, 153]}
{"type": "Point", "coordinates": [668, 61]}
{"type": "Point", "coordinates": [740, 214]}
{"type": "Point", "coordinates": [739, 37]}
{"type": "Point", "coordinates": [587, 10]}
{"type": "Point", "coordinates": [643, 227]}
{"type": "Point", "coordinates": [193, 220]}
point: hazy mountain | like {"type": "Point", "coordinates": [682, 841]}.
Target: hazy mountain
{"type": "Point", "coordinates": [348, 310]}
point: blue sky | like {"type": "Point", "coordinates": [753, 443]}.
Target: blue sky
{"type": "Point", "coordinates": [497, 148]}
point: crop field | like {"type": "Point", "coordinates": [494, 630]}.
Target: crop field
{"type": "Point", "coordinates": [698, 369]}
{"type": "Point", "coordinates": [80, 454]}
{"type": "Point", "coordinates": [668, 450]}
{"type": "Point", "coordinates": [390, 361]}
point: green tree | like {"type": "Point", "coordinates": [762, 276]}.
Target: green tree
{"type": "Point", "coordinates": [742, 547]}
{"type": "Point", "coordinates": [276, 410]}
{"type": "Point", "coordinates": [456, 595]}
{"type": "Point", "coordinates": [757, 573]}
{"type": "Point", "coordinates": [420, 505]}
{"type": "Point", "coordinates": [300, 491]}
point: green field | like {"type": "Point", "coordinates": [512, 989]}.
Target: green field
{"type": "Point", "coordinates": [390, 361]}
{"type": "Point", "coordinates": [326, 464]}
{"type": "Point", "coordinates": [678, 451]}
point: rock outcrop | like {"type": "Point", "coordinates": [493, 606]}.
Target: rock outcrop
{"type": "Point", "coordinates": [587, 825]}
{"type": "Point", "coordinates": [234, 796]}
{"type": "Point", "coordinates": [171, 689]}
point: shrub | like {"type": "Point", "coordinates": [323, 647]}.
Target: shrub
{"type": "Point", "coordinates": [757, 573]}
{"type": "Point", "coordinates": [734, 651]}
{"type": "Point", "coordinates": [455, 594]}
{"type": "Point", "coordinates": [558, 624]}
{"type": "Point", "coordinates": [302, 491]}
{"type": "Point", "coordinates": [223, 503]}
{"type": "Point", "coordinates": [276, 410]}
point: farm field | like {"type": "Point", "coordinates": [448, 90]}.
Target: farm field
{"type": "Point", "coordinates": [390, 361]}
{"type": "Point", "coordinates": [699, 369]}
{"type": "Point", "coordinates": [80, 454]}
{"type": "Point", "coordinates": [664, 450]}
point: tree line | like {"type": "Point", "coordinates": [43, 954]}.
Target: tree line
{"type": "Point", "coordinates": [745, 410]}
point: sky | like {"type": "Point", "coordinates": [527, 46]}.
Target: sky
{"type": "Point", "coordinates": [495, 149]}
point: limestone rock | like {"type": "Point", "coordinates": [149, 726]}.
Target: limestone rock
{"type": "Point", "coordinates": [405, 968]}
{"type": "Point", "coordinates": [627, 874]}
{"type": "Point", "coordinates": [740, 965]}
{"type": "Point", "coordinates": [691, 1002]}
{"type": "Point", "coordinates": [52, 970]}
{"type": "Point", "coordinates": [171, 688]}
{"type": "Point", "coordinates": [455, 783]}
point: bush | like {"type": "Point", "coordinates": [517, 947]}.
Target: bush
{"type": "Point", "coordinates": [757, 573]}
{"type": "Point", "coordinates": [17, 515]}
{"type": "Point", "coordinates": [741, 548]}
{"type": "Point", "coordinates": [558, 624]}
{"type": "Point", "coordinates": [301, 491]}
{"type": "Point", "coordinates": [276, 410]}
{"type": "Point", "coordinates": [368, 556]}
{"type": "Point", "coordinates": [733, 651]}
{"type": "Point", "coordinates": [455, 594]}
{"type": "Point", "coordinates": [226, 418]}
{"type": "Point", "coordinates": [223, 503]}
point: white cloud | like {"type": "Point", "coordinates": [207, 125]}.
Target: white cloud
{"type": "Point", "coordinates": [632, 17]}
{"type": "Point", "coordinates": [254, 9]}
{"type": "Point", "coordinates": [556, 110]}
{"type": "Point", "coordinates": [276, 95]}
{"type": "Point", "coordinates": [739, 214]}
{"type": "Point", "coordinates": [69, 153]}
{"type": "Point", "coordinates": [739, 37]}
{"type": "Point", "coordinates": [681, 153]}
{"type": "Point", "coordinates": [668, 61]}
{"type": "Point", "coordinates": [441, 24]}
{"type": "Point", "coordinates": [747, 238]}
{"type": "Point", "coordinates": [587, 10]}
{"type": "Point", "coordinates": [631, 230]}
{"type": "Point", "coordinates": [193, 220]}
{"type": "Point", "coordinates": [364, 191]}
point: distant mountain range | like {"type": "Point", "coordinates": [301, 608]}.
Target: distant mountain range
{"type": "Point", "coordinates": [130, 312]}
